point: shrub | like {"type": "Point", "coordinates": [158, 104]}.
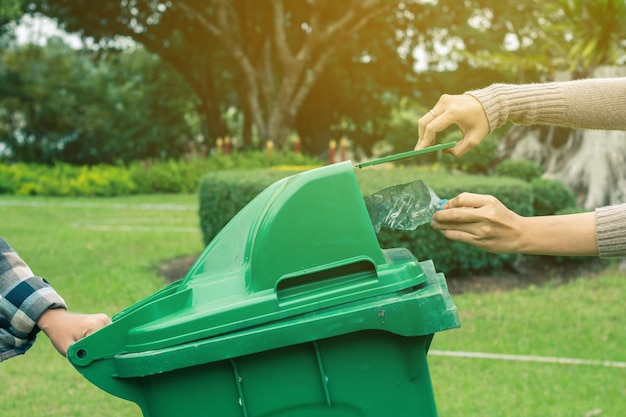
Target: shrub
{"type": "Point", "coordinates": [65, 180]}
{"type": "Point", "coordinates": [519, 168]}
{"type": "Point", "coordinates": [7, 179]}
{"type": "Point", "coordinates": [551, 196]}
{"type": "Point", "coordinates": [169, 176]}
{"type": "Point", "coordinates": [184, 176]}
{"type": "Point", "coordinates": [144, 177]}
{"type": "Point", "coordinates": [100, 181]}
{"type": "Point", "coordinates": [480, 160]}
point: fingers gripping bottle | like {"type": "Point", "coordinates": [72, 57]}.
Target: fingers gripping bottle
{"type": "Point", "coordinates": [404, 206]}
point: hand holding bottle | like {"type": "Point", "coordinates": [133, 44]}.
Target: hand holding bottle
{"type": "Point", "coordinates": [483, 221]}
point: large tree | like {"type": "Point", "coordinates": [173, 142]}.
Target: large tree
{"type": "Point", "coordinates": [264, 56]}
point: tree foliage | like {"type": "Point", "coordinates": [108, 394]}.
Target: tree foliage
{"type": "Point", "coordinates": [9, 10]}
{"type": "Point", "coordinates": [325, 71]}
{"type": "Point", "coordinates": [594, 31]}
{"type": "Point", "coordinates": [533, 36]}
{"type": "Point", "coordinates": [82, 107]}
{"type": "Point", "coordinates": [263, 56]}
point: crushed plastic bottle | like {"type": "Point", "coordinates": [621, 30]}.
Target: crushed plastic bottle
{"type": "Point", "coordinates": [404, 206]}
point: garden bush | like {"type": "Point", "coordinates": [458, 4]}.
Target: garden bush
{"type": "Point", "coordinates": [183, 176]}
{"type": "Point", "coordinates": [551, 196]}
{"type": "Point", "coordinates": [144, 177]}
{"type": "Point", "coordinates": [65, 180]}
{"type": "Point", "coordinates": [224, 194]}
{"type": "Point", "coordinates": [7, 179]}
{"type": "Point", "coordinates": [479, 160]}
{"type": "Point", "coordinates": [519, 168]}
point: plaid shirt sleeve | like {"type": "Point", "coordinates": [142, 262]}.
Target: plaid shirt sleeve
{"type": "Point", "coordinates": [23, 299]}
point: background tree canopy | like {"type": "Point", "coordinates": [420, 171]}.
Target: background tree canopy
{"type": "Point", "coordinates": [81, 107]}
{"type": "Point", "coordinates": [264, 57]}
{"type": "Point", "coordinates": [281, 67]}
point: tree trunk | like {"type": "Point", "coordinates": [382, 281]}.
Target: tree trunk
{"type": "Point", "coordinates": [279, 78]}
{"type": "Point", "coordinates": [246, 131]}
{"type": "Point", "coordinates": [591, 162]}
{"type": "Point", "coordinates": [215, 126]}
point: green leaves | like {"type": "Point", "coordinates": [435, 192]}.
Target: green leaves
{"type": "Point", "coordinates": [10, 9]}
{"type": "Point", "coordinates": [594, 30]}
{"type": "Point", "coordinates": [88, 107]}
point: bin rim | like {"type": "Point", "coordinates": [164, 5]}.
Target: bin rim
{"type": "Point", "coordinates": [418, 311]}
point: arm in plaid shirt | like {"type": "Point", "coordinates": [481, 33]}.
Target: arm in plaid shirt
{"type": "Point", "coordinates": [23, 299]}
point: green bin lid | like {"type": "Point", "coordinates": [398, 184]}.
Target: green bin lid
{"type": "Point", "coordinates": [300, 262]}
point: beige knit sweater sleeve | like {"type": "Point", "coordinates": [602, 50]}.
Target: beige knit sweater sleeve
{"type": "Point", "coordinates": [611, 231]}
{"type": "Point", "coordinates": [585, 104]}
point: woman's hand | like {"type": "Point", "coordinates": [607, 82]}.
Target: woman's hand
{"type": "Point", "coordinates": [483, 221]}
{"type": "Point", "coordinates": [465, 111]}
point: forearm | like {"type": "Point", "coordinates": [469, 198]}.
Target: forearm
{"type": "Point", "coordinates": [565, 235]}
{"type": "Point", "coordinates": [483, 221]}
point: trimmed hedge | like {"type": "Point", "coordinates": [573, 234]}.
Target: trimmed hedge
{"type": "Point", "coordinates": [224, 194]}
{"type": "Point", "coordinates": [551, 196]}
{"type": "Point", "coordinates": [519, 168]}
{"type": "Point", "coordinates": [479, 160]}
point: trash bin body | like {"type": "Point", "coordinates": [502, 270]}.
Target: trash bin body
{"type": "Point", "coordinates": [292, 310]}
{"type": "Point", "coordinates": [358, 374]}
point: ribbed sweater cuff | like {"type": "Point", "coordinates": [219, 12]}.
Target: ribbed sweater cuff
{"type": "Point", "coordinates": [522, 104]}
{"type": "Point", "coordinates": [611, 231]}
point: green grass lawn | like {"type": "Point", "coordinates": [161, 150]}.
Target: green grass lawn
{"type": "Point", "coordinates": [582, 320]}
{"type": "Point", "coordinates": [102, 255]}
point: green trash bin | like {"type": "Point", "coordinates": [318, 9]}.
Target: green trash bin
{"type": "Point", "coordinates": [292, 310]}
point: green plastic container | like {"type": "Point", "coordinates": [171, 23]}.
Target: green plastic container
{"type": "Point", "coordinates": [292, 310]}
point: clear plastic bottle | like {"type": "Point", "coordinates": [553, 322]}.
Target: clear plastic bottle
{"type": "Point", "coordinates": [404, 206]}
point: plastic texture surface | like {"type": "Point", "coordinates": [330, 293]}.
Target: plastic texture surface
{"type": "Point", "coordinates": [292, 310]}
{"type": "Point", "coordinates": [403, 207]}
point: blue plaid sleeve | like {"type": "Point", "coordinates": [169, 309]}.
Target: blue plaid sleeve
{"type": "Point", "coordinates": [23, 299]}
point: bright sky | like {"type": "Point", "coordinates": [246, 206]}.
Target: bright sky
{"type": "Point", "coordinates": [37, 30]}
